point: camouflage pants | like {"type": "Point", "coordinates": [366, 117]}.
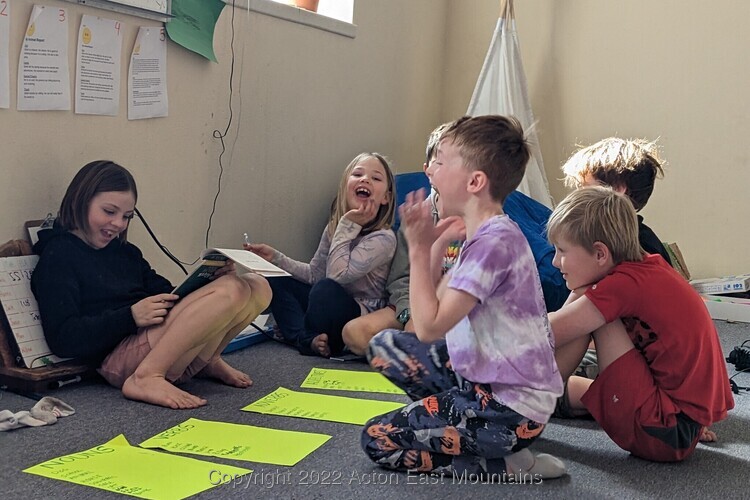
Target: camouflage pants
{"type": "Point", "coordinates": [453, 426]}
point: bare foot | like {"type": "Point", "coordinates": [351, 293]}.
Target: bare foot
{"type": "Point", "coordinates": [222, 371]}
{"type": "Point", "coordinates": [708, 436]}
{"type": "Point", "coordinates": [320, 345]}
{"type": "Point", "coordinates": [159, 391]}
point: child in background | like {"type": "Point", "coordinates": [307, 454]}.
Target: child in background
{"type": "Point", "coordinates": [346, 276]}
{"type": "Point", "coordinates": [102, 303]}
{"type": "Point", "coordinates": [662, 375]}
{"type": "Point", "coordinates": [530, 216]}
{"type": "Point", "coordinates": [630, 167]}
{"type": "Point", "coordinates": [358, 332]}
{"type": "Point", "coordinates": [481, 367]}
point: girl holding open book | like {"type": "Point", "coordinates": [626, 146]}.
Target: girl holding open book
{"type": "Point", "coordinates": [101, 302]}
{"type": "Point", "coordinates": [346, 276]}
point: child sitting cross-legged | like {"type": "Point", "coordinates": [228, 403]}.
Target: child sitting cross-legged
{"type": "Point", "coordinates": [481, 367]}
{"type": "Point", "coordinates": [346, 277]}
{"type": "Point", "coordinates": [662, 378]}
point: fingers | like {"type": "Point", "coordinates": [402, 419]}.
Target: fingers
{"type": "Point", "coordinates": [165, 297]}
{"type": "Point", "coordinates": [157, 320]}
{"type": "Point", "coordinates": [414, 197]}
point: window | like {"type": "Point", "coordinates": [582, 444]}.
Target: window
{"type": "Point", "coordinates": [343, 10]}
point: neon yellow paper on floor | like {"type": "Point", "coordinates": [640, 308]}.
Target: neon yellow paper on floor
{"type": "Point", "coordinates": [116, 466]}
{"type": "Point", "coordinates": [238, 442]}
{"type": "Point", "coordinates": [289, 403]}
{"type": "Point", "coordinates": [349, 380]}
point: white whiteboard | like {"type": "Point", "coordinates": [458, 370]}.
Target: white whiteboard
{"type": "Point", "coordinates": [22, 311]}
{"type": "Point", "coordinates": [150, 9]}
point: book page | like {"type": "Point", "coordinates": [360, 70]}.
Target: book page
{"type": "Point", "coordinates": [249, 261]}
{"type": "Point", "coordinates": [214, 259]}
{"type": "Point", "coordinates": [201, 275]}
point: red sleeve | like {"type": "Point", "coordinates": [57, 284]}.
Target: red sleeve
{"type": "Point", "coordinates": [615, 296]}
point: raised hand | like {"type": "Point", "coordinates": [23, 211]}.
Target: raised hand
{"type": "Point", "coordinates": [416, 219]}
{"type": "Point", "coordinates": [152, 310]}
{"type": "Point", "coordinates": [261, 249]}
{"type": "Point", "coordinates": [364, 214]}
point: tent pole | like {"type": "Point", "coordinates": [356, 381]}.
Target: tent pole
{"type": "Point", "coordinates": [507, 11]}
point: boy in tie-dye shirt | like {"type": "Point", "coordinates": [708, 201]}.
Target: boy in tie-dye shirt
{"type": "Point", "coordinates": [481, 366]}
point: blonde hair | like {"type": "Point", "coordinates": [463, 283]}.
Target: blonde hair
{"type": "Point", "coordinates": [630, 163]}
{"type": "Point", "coordinates": [434, 140]}
{"type": "Point", "coordinates": [597, 213]}
{"type": "Point", "coordinates": [386, 213]}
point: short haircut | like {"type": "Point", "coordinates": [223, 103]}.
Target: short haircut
{"type": "Point", "coordinates": [495, 145]}
{"type": "Point", "coordinates": [630, 163]}
{"type": "Point", "coordinates": [386, 213]}
{"type": "Point", "coordinates": [597, 213]}
{"type": "Point", "coordinates": [433, 140]}
{"type": "Point", "coordinates": [100, 176]}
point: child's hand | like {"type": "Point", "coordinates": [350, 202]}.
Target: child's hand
{"type": "Point", "coordinates": [152, 310]}
{"type": "Point", "coordinates": [261, 249]}
{"type": "Point", "coordinates": [416, 219]}
{"type": "Point", "coordinates": [364, 214]}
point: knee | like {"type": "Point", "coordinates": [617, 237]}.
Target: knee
{"type": "Point", "coordinates": [353, 331]}
{"type": "Point", "coordinates": [371, 433]}
{"type": "Point", "coordinates": [324, 289]}
{"type": "Point", "coordinates": [260, 290]}
{"type": "Point", "coordinates": [235, 291]}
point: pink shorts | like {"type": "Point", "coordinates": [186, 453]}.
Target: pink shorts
{"type": "Point", "coordinates": [125, 358]}
{"type": "Point", "coordinates": [637, 414]}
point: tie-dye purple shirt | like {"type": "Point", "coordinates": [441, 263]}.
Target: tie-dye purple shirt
{"type": "Point", "coordinates": [506, 340]}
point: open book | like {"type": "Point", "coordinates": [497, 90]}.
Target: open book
{"type": "Point", "coordinates": [214, 258]}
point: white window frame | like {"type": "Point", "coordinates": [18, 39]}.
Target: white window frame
{"type": "Point", "coordinates": [294, 14]}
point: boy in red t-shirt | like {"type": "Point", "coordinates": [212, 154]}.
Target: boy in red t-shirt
{"type": "Point", "coordinates": [662, 377]}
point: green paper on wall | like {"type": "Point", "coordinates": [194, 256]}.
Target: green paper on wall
{"type": "Point", "coordinates": [289, 403]}
{"type": "Point", "coordinates": [349, 380]}
{"type": "Point", "coordinates": [116, 466]}
{"type": "Point", "coordinates": [237, 441]}
{"type": "Point", "coordinates": [193, 25]}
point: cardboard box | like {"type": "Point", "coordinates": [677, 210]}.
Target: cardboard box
{"type": "Point", "coordinates": [678, 261]}
{"type": "Point", "coordinates": [728, 309]}
{"type": "Point", "coordinates": [727, 284]}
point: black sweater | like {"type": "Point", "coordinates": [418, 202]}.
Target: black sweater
{"type": "Point", "coordinates": [85, 294]}
{"type": "Point", "coordinates": [650, 242]}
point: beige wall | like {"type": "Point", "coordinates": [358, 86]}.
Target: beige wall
{"type": "Point", "coordinates": [674, 69]}
{"type": "Point", "coordinates": [306, 102]}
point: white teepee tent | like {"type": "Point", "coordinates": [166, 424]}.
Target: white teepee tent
{"type": "Point", "coordinates": [501, 89]}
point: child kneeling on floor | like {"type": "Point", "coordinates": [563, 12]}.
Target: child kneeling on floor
{"type": "Point", "coordinates": [662, 376]}
{"type": "Point", "coordinates": [481, 366]}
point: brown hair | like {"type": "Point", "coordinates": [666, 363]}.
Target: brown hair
{"type": "Point", "coordinates": [386, 213]}
{"type": "Point", "coordinates": [630, 163]}
{"type": "Point", "coordinates": [495, 145]}
{"type": "Point", "coordinates": [101, 176]}
{"type": "Point", "coordinates": [597, 213]}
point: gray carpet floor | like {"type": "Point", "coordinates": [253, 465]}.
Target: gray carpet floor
{"type": "Point", "coordinates": [597, 467]}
